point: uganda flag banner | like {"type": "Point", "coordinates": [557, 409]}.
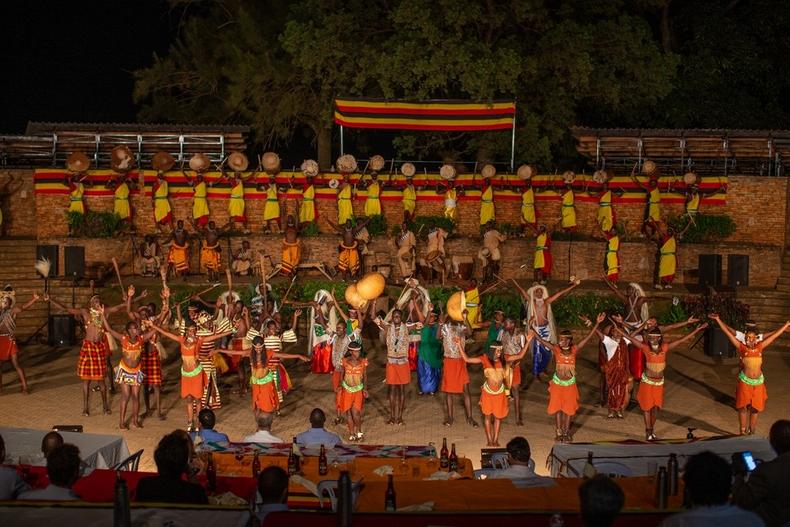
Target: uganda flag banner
{"type": "Point", "coordinates": [434, 115]}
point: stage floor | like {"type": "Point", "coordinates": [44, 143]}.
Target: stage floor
{"type": "Point", "coordinates": [699, 393]}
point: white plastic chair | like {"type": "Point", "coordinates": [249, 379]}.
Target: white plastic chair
{"type": "Point", "coordinates": [330, 487]}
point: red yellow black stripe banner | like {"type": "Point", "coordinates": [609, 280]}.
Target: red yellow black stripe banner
{"type": "Point", "coordinates": [424, 115]}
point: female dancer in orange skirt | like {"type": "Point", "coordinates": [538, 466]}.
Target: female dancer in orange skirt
{"type": "Point", "coordinates": [352, 391]}
{"type": "Point", "coordinates": [496, 388]}
{"type": "Point", "coordinates": [563, 392]}
{"type": "Point", "coordinates": [191, 370]}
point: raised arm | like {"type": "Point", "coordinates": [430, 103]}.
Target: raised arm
{"type": "Point", "coordinates": [638, 343]}
{"type": "Point", "coordinates": [670, 327]}
{"type": "Point", "coordinates": [767, 341]}
{"type": "Point", "coordinates": [171, 336]}
{"type": "Point", "coordinates": [295, 319]}
{"type": "Point", "coordinates": [675, 343]}
{"type": "Point", "coordinates": [558, 294]}
{"type": "Point", "coordinates": [614, 289]}
{"type": "Point", "coordinates": [337, 306]}
{"type": "Point", "coordinates": [598, 320]}
{"type": "Point", "coordinates": [69, 310]}
{"type": "Point", "coordinates": [30, 302]}
{"type": "Point", "coordinates": [212, 338]}
{"type": "Point", "coordinates": [520, 289]}
{"type": "Point", "coordinates": [468, 359]}
{"type": "Point", "coordinates": [108, 328]}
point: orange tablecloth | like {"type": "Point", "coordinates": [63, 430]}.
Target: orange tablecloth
{"type": "Point", "coordinates": [415, 469]}
{"type": "Point", "coordinates": [494, 494]}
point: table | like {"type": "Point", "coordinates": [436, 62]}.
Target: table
{"type": "Point", "coordinates": [503, 495]}
{"type": "Point", "coordinates": [96, 450]}
{"type": "Point", "coordinates": [568, 459]}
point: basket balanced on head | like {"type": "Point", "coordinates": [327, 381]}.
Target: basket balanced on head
{"type": "Point", "coordinates": [370, 286]}
{"type": "Point", "coordinates": [270, 162]}
{"type": "Point", "coordinates": [447, 172]}
{"type": "Point", "coordinates": [376, 163]}
{"type": "Point", "coordinates": [526, 172]}
{"type": "Point", "coordinates": [346, 164]}
{"type": "Point", "coordinates": [455, 305]}
{"type": "Point", "coordinates": [353, 298]}
{"type": "Point", "coordinates": [78, 162]}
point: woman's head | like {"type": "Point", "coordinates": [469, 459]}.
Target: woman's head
{"type": "Point", "coordinates": [355, 349]}
{"type": "Point", "coordinates": [132, 329]}
{"type": "Point", "coordinates": [566, 339]}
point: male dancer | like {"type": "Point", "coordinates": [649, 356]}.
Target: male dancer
{"type": "Point", "coordinates": [178, 255]}
{"type": "Point", "coordinates": [163, 214]}
{"type": "Point", "coordinates": [542, 262]}
{"type": "Point", "coordinates": [406, 244]}
{"type": "Point", "coordinates": [563, 392]}
{"type": "Point", "coordinates": [750, 394]}
{"type": "Point", "coordinates": [398, 374]}
{"type": "Point", "coordinates": [637, 314]}
{"type": "Point", "coordinates": [8, 348]}
{"type": "Point", "coordinates": [210, 256]}
{"type": "Point", "coordinates": [242, 264]}
{"type": "Point", "coordinates": [292, 248]}
{"type": "Point", "coordinates": [513, 341]}
{"type": "Point", "coordinates": [491, 240]}
{"type": "Point", "coordinates": [92, 364]}
{"type": "Point", "coordinates": [455, 377]}
{"type": "Point", "coordinates": [667, 263]}
{"type": "Point", "coordinates": [348, 262]}
{"type": "Point", "coordinates": [435, 256]}
{"type": "Point", "coordinates": [541, 319]}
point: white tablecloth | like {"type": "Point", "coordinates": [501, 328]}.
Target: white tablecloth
{"type": "Point", "coordinates": [97, 450]}
{"type": "Point", "coordinates": [568, 459]}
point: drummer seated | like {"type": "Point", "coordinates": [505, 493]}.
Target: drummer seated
{"type": "Point", "coordinates": [63, 471]}
{"type": "Point", "coordinates": [518, 455]}
{"type": "Point", "coordinates": [172, 460]}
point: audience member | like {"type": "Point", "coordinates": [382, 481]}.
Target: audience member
{"type": "Point", "coordinates": [518, 456]}
{"type": "Point", "coordinates": [766, 490]}
{"type": "Point", "coordinates": [207, 433]}
{"type": "Point", "coordinates": [273, 489]}
{"type": "Point", "coordinates": [49, 442]}
{"type": "Point", "coordinates": [11, 483]}
{"type": "Point", "coordinates": [172, 457]}
{"type": "Point", "coordinates": [317, 435]}
{"type": "Point", "coordinates": [707, 478]}
{"type": "Point", "coordinates": [601, 501]}
{"type": "Point", "coordinates": [63, 470]}
{"type": "Point", "coordinates": [264, 434]}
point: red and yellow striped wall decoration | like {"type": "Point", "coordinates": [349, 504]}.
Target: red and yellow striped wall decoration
{"type": "Point", "coordinates": [434, 115]}
{"type": "Point", "coordinates": [508, 187]}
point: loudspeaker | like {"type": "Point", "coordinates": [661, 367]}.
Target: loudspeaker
{"type": "Point", "coordinates": [50, 252]}
{"type": "Point", "coordinates": [61, 330]}
{"type": "Point", "coordinates": [717, 344]}
{"type": "Point", "coordinates": [709, 270]}
{"type": "Point", "coordinates": [74, 258]}
{"type": "Point", "coordinates": [737, 270]}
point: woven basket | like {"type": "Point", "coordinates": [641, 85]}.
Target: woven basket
{"type": "Point", "coordinates": [162, 161]}
{"type": "Point", "coordinates": [568, 176]}
{"type": "Point", "coordinates": [488, 171]}
{"type": "Point", "coordinates": [199, 162]}
{"type": "Point", "coordinates": [121, 159]}
{"type": "Point", "coordinates": [407, 169]}
{"type": "Point", "coordinates": [526, 172]}
{"type": "Point", "coordinates": [78, 162]}
{"type": "Point", "coordinates": [649, 168]}
{"type": "Point", "coordinates": [690, 178]}
{"type": "Point", "coordinates": [346, 164]}
{"type": "Point", "coordinates": [238, 162]}
{"type": "Point", "coordinates": [376, 163]}
{"type": "Point", "coordinates": [270, 162]}
{"type": "Point", "coordinates": [310, 168]}
{"type": "Point", "coordinates": [447, 172]}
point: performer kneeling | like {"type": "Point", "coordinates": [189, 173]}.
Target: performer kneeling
{"type": "Point", "coordinates": [352, 392]}
{"type": "Point", "coordinates": [496, 388]}
{"type": "Point", "coordinates": [563, 393]}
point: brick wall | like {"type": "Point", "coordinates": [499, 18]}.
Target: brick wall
{"type": "Point", "coordinates": [19, 211]}
{"type": "Point", "coordinates": [586, 257]}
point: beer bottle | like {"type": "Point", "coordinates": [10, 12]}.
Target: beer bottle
{"type": "Point", "coordinates": [322, 465]}
{"type": "Point", "coordinates": [589, 468]}
{"type": "Point", "coordinates": [389, 496]}
{"type": "Point", "coordinates": [122, 516]}
{"type": "Point", "coordinates": [672, 472]}
{"type": "Point", "coordinates": [211, 473]}
{"type": "Point", "coordinates": [453, 460]}
{"type": "Point", "coordinates": [444, 461]}
{"type": "Point", "coordinates": [256, 466]}
{"type": "Point", "coordinates": [293, 460]}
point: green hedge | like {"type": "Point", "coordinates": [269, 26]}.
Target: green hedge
{"type": "Point", "coordinates": [94, 224]}
{"type": "Point", "coordinates": [706, 227]}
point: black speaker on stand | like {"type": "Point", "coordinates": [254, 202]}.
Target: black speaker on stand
{"type": "Point", "coordinates": [74, 259]}
{"type": "Point", "coordinates": [709, 270]}
{"type": "Point", "coordinates": [61, 330]}
{"type": "Point", "coordinates": [738, 270]}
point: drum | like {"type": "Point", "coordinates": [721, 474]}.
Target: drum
{"type": "Point", "coordinates": [310, 168]}
{"type": "Point", "coordinates": [78, 162]}
{"type": "Point", "coordinates": [455, 306]}
{"type": "Point", "coordinates": [199, 162]}
{"type": "Point", "coordinates": [376, 163]}
{"type": "Point", "coordinates": [162, 161]}
{"type": "Point", "coordinates": [270, 162]}
{"type": "Point", "coordinates": [238, 162]}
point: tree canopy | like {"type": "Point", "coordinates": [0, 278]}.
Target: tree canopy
{"type": "Point", "coordinates": [277, 66]}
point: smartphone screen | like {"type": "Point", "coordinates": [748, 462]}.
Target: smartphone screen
{"type": "Point", "coordinates": [748, 459]}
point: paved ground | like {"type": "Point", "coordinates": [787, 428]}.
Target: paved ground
{"type": "Point", "coordinates": [699, 394]}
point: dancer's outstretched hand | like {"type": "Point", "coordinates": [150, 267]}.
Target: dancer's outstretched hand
{"type": "Point", "coordinates": [601, 317]}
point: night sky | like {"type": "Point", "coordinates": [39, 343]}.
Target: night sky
{"type": "Point", "coordinates": [72, 61]}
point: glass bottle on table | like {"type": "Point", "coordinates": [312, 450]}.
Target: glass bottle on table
{"type": "Point", "coordinates": [322, 462]}
{"type": "Point", "coordinates": [293, 460]}
{"type": "Point", "coordinates": [211, 473]}
{"type": "Point", "coordinates": [122, 515]}
{"type": "Point", "coordinates": [444, 459]}
{"type": "Point", "coordinates": [589, 468]}
{"type": "Point", "coordinates": [389, 496]}
{"type": "Point", "coordinates": [452, 461]}
{"type": "Point", "coordinates": [256, 466]}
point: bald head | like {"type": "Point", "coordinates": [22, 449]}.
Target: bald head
{"type": "Point", "coordinates": [317, 418]}
{"type": "Point", "coordinates": [779, 436]}
{"type": "Point", "coordinates": [50, 442]}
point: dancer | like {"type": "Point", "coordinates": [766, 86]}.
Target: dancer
{"type": "Point", "coordinates": [236, 202]}
{"type": "Point", "coordinates": [415, 303]}
{"type": "Point", "coordinates": [491, 240]}
{"type": "Point", "coordinates": [340, 343]}
{"type": "Point", "coordinates": [606, 215]}
{"type": "Point", "coordinates": [529, 216]}
{"type": "Point", "coordinates": [493, 396]}
{"type": "Point", "coordinates": [200, 210]}
{"type": "Point", "coordinates": [435, 256]}
{"type": "Point", "coordinates": [271, 210]}
{"type": "Point", "coordinates": [178, 255]}
{"type": "Point", "coordinates": [513, 341]}
{"type": "Point", "coordinates": [121, 205]}
{"type": "Point", "coordinates": [323, 333]}
{"type": "Point", "coordinates": [153, 351]}
{"type": "Point", "coordinates": [273, 341]}
{"type": "Point", "coordinates": [568, 198]}
{"type": "Point", "coordinates": [615, 368]}
{"type": "Point", "coordinates": [76, 192]}
{"type": "Point", "coordinates": [149, 256]}
{"type": "Point", "coordinates": [637, 313]}
{"type": "Point", "coordinates": [352, 391]}
{"type": "Point", "coordinates": [307, 211]}
{"type": "Point", "coordinates": [542, 261]}
{"type": "Point", "coordinates": [210, 252]}
{"type": "Point", "coordinates": [406, 248]}
{"type": "Point", "coordinates": [429, 353]}
{"type": "Point", "coordinates": [653, 209]}
{"type": "Point", "coordinates": [409, 199]}
{"type": "Point", "coordinates": [373, 200]}
{"type": "Point", "coordinates": [192, 377]}
{"type": "Point", "coordinates": [163, 214]}
{"type": "Point", "coordinates": [495, 328]}
{"type": "Point", "coordinates": [563, 392]}
{"type": "Point", "coordinates": [292, 248]}
{"type": "Point", "coordinates": [455, 377]}
{"type": "Point", "coordinates": [750, 394]}
{"type": "Point", "coordinates": [651, 389]}
{"type": "Point", "coordinates": [451, 201]}
{"type": "Point", "coordinates": [472, 303]}
{"type": "Point", "coordinates": [348, 262]}
{"type": "Point", "coordinates": [129, 374]}
{"type": "Point", "coordinates": [398, 374]}
{"type": "Point", "coordinates": [242, 260]}
{"type": "Point", "coordinates": [611, 260]}
{"type": "Point", "coordinates": [541, 318]}
{"type": "Point", "coordinates": [8, 348]}
{"type": "Point", "coordinates": [487, 211]}
{"type": "Point", "coordinates": [92, 364]}
{"type": "Point", "coordinates": [667, 255]}
{"type": "Point", "coordinates": [239, 317]}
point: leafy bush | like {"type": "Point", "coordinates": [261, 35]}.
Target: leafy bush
{"type": "Point", "coordinates": [568, 308]}
{"type": "Point", "coordinates": [311, 229]}
{"type": "Point", "coordinates": [731, 311]}
{"type": "Point", "coordinates": [508, 303]}
{"type": "Point", "coordinates": [422, 225]}
{"type": "Point", "coordinates": [706, 227]}
{"type": "Point", "coordinates": [672, 312]}
{"type": "Point", "coordinates": [440, 294]}
{"type": "Point", "coordinates": [93, 224]}
{"type": "Point", "coordinates": [377, 225]}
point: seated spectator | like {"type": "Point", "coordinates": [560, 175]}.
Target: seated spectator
{"type": "Point", "coordinates": [207, 433]}
{"type": "Point", "coordinates": [63, 470]}
{"type": "Point", "coordinates": [11, 483]}
{"type": "Point", "coordinates": [317, 435]}
{"type": "Point", "coordinates": [172, 460]}
{"type": "Point", "coordinates": [518, 456]}
{"type": "Point", "coordinates": [766, 490]}
{"type": "Point", "coordinates": [601, 500]}
{"type": "Point", "coordinates": [273, 489]}
{"type": "Point", "coordinates": [264, 433]}
{"type": "Point", "coordinates": [49, 442]}
{"type": "Point", "coordinates": [707, 478]}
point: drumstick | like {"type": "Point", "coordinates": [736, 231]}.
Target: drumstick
{"type": "Point", "coordinates": [213, 286]}
{"type": "Point", "coordinates": [263, 278]}
{"type": "Point", "coordinates": [293, 281]}
{"type": "Point", "coordinates": [118, 273]}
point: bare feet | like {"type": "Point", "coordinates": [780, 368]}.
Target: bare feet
{"type": "Point", "coordinates": [472, 422]}
{"type": "Point", "coordinates": [161, 416]}
{"type": "Point", "coordinates": [123, 426]}
{"type": "Point", "coordinates": [137, 424]}
{"type": "Point", "coordinates": [107, 411]}
{"type": "Point", "coordinates": [86, 413]}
